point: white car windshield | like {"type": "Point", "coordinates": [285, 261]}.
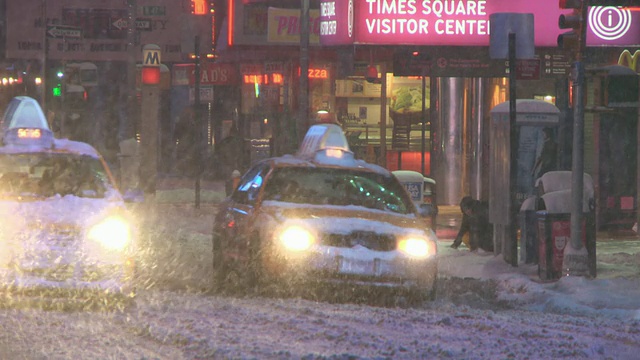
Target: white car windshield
{"type": "Point", "coordinates": [321, 186]}
{"type": "Point", "coordinates": [45, 175]}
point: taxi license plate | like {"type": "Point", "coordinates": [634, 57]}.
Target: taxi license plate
{"type": "Point", "coordinates": [357, 266]}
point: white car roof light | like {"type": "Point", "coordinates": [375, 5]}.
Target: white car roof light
{"type": "Point", "coordinates": [326, 143]}
{"type": "Point", "coordinates": [24, 123]}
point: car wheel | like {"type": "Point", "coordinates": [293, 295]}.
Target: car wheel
{"type": "Point", "coordinates": [220, 266]}
{"type": "Point", "coordinates": [254, 269]}
{"type": "Point", "coordinates": [427, 286]}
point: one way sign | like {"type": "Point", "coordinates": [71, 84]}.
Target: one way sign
{"type": "Point", "coordinates": [62, 31]}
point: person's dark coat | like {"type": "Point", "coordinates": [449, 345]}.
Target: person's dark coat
{"type": "Point", "coordinates": [475, 222]}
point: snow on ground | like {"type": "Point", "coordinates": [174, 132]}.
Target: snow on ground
{"type": "Point", "coordinates": [486, 309]}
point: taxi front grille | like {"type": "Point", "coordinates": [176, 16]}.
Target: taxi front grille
{"type": "Point", "coordinates": [60, 235]}
{"type": "Point", "coordinates": [57, 273]}
{"type": "Point", "coordinates": [368, 239]}
{"type": "Point", "coordinates": [65, 272]}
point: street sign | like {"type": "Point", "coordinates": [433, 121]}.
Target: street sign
{"type": "Point", "coordinates": [120, 24]}
{"type": "Point", "coordinates": [62, 31]}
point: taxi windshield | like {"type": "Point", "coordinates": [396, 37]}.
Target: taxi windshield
{"type": "Point", "coordinates": [322, 186]}
{"type": "Point", "coordinates": [45, 175]}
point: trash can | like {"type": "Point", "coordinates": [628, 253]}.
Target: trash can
{"type": "Point", "coordinates": [528, 231]}
{"type": "Point", "coordinates": [554, 233]}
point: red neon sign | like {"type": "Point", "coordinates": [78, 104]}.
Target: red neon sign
{"type": "Point", "coordinates": [316, 73]}
{"type": "Point", "coordinates": [263, 79]}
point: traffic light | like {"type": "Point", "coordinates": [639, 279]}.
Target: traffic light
{"type": "Point", "coordinates": [574, 39]}
{"type": "Point", "coordinates": [199, 7]}
{"type": "Point", "coordinates": [57, 87]}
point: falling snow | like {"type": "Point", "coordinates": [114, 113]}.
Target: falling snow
{"type": "Point", "coordinates": [486, 309]}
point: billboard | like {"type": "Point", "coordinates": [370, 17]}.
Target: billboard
{"type": "Point", "coordinates": [97, 31]}
{"type": "Point", "coordinates": [463, 22]}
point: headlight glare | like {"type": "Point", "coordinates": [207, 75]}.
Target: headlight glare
{"type": "Point", "coordinates": [296, 238]}
{"type": "Point", "coordinates": [113, 233]}
{"type": "Point", "coordinates": [415, 247]}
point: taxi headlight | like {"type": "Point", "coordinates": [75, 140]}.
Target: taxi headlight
{"type": "Point", "coordinates": [416, 247]}
{"type": "Point", "coordinates": [296, 238]}
{"type": "Point", "coordinates": [112, 233]}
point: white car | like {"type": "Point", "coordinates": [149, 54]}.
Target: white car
{"type": "Point", "coordinates": [66, 233]}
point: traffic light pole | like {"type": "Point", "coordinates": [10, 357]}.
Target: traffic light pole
{"type": "Point", "coordinates": [575, 260]}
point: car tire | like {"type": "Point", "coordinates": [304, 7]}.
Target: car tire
{"type": "Point", "coordinates": [254, 270]}
{"type": "Point", "coordinates": [427, 288]}
{"type": "Point", "coordinates": [220, 267]}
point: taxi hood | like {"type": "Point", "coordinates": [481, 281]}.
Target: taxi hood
{"type": "Point", "coordinates": [69, 210]}
{"type": "Point", "coordinates": [344, 219]}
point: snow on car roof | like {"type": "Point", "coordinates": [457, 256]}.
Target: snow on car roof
{"type": "Point", "coordinates": [292, 160]}
{"type": "Point", "coordinates": [326, 145]}
{"type": "Point", "coordinates": [59, 146]}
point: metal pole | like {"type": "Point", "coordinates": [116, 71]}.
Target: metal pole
{"type": "Point", "coordinates": [126, 126]}
{"type": "Point", "coordinates": [303, 111]}
{"type": "Point", "coordinates": [424, 124]}
{"type": "Point", "coordinates": [382, 161]}
{"type": "Point", "coordinates": [575, 260]}
{"type": "Point", "coordinates": [198, 129]}
{"type": "Point", "coordinates": [45, 51]}
{"type": "Point", "coordinates": [511, 253]}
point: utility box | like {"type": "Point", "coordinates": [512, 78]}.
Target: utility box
{"type": "Point", "coordinates": [534, 118]}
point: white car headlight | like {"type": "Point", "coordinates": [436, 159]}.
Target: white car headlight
{"type": "Point", "coordinates": [113, 233]}
{"type": "Point", "coordinates": [416, 247]}
{"type": "Point", "coordinates": [296, 238]}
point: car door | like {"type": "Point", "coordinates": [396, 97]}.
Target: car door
{"type": "Point", "coordinates": [239, 211]}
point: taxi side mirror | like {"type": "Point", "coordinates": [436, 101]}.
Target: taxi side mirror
{"type": "Point", "coordinates": [427, 210]}
{"type": "Point", "coordinates": [133, 196]}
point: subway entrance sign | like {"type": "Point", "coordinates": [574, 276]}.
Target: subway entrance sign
{"type": "Point", "coordinates": [151, 64]}
{"type": "Point", "coordinates": [151, 55]}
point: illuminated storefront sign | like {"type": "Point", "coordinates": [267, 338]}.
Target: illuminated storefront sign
{"type": "Point", "coordinates": [632, 61]}
{"type": "Point", "coordinates": [284, 26]}
{"type": "Point", "coordinates": [263, 79]}
{"type": "Point", "coordinates": [336, 25]}
{"type": "Point", "coordinates": [210, 74]}
{"type": "Point", "coordinates": [460, 22]}
{"type": "Point", "coordinates": [255, 75]}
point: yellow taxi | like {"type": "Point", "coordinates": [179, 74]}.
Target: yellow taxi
{"type": "Point", "coordinates": [323, 217]}
{"type": "Point", "coordinates": [66, 233]}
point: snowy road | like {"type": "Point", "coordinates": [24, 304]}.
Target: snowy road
{"type": "Point", "coordinates": [180, 325]}
{"type": "Point", "coordinates": [175, 318]}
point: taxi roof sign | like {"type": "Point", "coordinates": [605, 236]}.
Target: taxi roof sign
{"type": "Point", "coordinates": [323, 137]}
{"type": "Point", "coordinates": [24, 123]}
{"type": "Point", "coordinates": [24, 112]}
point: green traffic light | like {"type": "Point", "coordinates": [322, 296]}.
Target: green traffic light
{"type": "Point", "coordinates": [57, 91]}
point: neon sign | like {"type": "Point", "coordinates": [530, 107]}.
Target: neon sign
{"type": "Point", "coordinates": [318, 74]}
{"type": "Point", "coordinates": [263, 79]}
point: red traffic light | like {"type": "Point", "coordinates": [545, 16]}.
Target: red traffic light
{"type": "Point", "coordinates": [199, 7]}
